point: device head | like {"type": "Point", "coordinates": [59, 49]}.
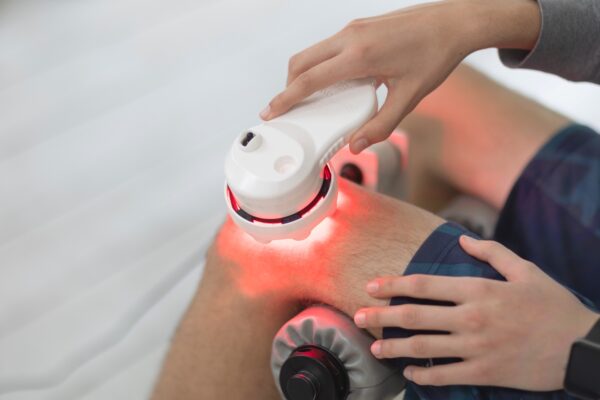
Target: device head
{"type": "Point", "coordinates": [278, 183]}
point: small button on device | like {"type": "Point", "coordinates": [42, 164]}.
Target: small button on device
{"type": "Point", "coordinates": [247, 138]}
{"type": "Point", "coordinates": [250, 141]}
{"type": "Point", "coordinates": [284, 164]}
{"type": "Point", "coordinates": [352, 172]}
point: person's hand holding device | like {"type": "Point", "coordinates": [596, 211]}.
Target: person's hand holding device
{"type": "Point", "coordinates": [514, 334]}
{"type": "Point", "coordinates": [410, 51]}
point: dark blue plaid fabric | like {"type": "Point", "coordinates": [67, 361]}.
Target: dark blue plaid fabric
{"type": "Point", "coordinates": [551, 218]}
{"type": "Point", "coordinates": [552, 215]}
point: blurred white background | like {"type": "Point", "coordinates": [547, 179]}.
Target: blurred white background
{"type": "Point", "coordinates": [114, 120]}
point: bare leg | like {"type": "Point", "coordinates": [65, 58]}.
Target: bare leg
{"type": "Point", "coordinates": [222, 348]}
{"type": "Point", "coordinates": [426, 187]}
{"type": "Point", "coordinates": [477, 135]}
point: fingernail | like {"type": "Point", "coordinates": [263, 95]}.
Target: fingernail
{"type": "Point", "coordinates": [372, 287]}
{"type": "Point", "coordinates": [408, 373]}
{"type": "Point", "coordinates": [359, 145]}
{"type": "Point", "coordinates": [360, 319]}
{"type": "Point", "coordinates": [265, 113]}
{"type": "Point", "coordinates": [468, 239]}
{"type": "Point", "coordinates": [376, 348]}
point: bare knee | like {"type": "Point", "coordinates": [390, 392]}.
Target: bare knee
{"type": "Point", "coordinates": [370, 235]}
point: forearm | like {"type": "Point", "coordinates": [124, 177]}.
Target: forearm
{"type": "Point", "coordinates": [507, 24]}
{"type": "Point", "coordinates": [555, 36]}
{"type": "Point", "coordinates": [567, 45]}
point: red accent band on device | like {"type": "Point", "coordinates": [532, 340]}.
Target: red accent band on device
{"type": "Point", "coordinates": [290, 218]}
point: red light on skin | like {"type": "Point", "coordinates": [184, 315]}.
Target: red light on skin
{"type": "Point", "coordinates": [259, 269]}
{"type": "Point", "coordinates": [320, 234]}
{"type": "Point", "coordinates": [342, 201]}
{"type": "Point", "coordinates": [284, 265]}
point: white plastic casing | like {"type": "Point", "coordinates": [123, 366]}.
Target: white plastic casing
{"type": "Point", "coordinates": [279, 171]}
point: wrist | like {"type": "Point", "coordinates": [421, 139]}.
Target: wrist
{"type": "Point", "coordinates": [507, 24]}
{"type": "Point", "coordinates": [580, 329]}
{"type": "Point", "coordinates": [580, 379]}
{"type": "Point", "coordinates": [585, 324]}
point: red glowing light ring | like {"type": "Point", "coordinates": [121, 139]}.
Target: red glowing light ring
{"type": "Point", "coordinates": [290, 218]}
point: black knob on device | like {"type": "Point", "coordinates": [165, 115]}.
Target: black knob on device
{"type": "Point", "coordinates": [313, 373]}
{"type": "Point", "coordinates": [352, 172]}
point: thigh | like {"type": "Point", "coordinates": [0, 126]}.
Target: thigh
{"type": "Point", "coordinates": [552, 215]}
{"type": "Point", "coordinates": [441, 254]}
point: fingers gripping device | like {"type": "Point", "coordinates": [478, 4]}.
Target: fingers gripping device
{"type": "Point", "coordinates": [278, 181]}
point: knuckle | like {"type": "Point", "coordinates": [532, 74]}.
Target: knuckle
{"type": "Point", "coordinates": [480, 288]}
{"type": "Point", "coordinates": [485, 247]}
{"type": "Point", "coordinates": [293, 63]}
{"type": "Point", "coordinates": [529, 267]}
{"type": "Point", "coordinates": [368, 134]}
{"type": "Point", "coordinates": [388, 348]}
{"type": "Point", "coordinates": [435, 378]}
{"type": "Point", "coordinates": [474, 319]}
{"type": "Point", "coordinates": [491, 245]}
{"type": "Point", "coordinates": [378, 133]}
{"type": "Point", "coordinates": [274, 103]}
{"type": "Point", "coordinates": [481, 344]}
{"type": "Point", "coordinates": [417, 347]}
{"type": "Point", "coordinates": [353, 25]}
{"type": "Point", "coordinates": [423, 377]}
{"type": "Point", "coordinates": [277, 102]}
{"type": "Point", "coordinates": [389, 285]}
{"type": "Point", "coordinates": [304, 81]}
{"type": "Point", "coordinates": [417, 284]}
{"type": "Point", "coordinates": [409, 316]}
{"type": "Point", "coordinates": [358, 52]}
{"type": "Point", "coordinates": [483, 373]}
{"type": "Point", "coordinates": [487, 286]}
{"type": "Point", "coordinates": [374, 318]}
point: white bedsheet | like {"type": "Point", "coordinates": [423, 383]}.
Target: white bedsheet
{"type": "Point", "coordinates": [114, 120]}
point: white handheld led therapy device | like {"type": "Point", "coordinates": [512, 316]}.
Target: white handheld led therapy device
{"type": "Point", "coordinates": [278, 183]}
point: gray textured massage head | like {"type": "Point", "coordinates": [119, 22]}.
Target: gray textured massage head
{"type": "Point", "coordinates": [321, 355]}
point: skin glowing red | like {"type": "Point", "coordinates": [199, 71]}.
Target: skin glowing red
{"type": "Point", "coordinates": [260, 268]}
